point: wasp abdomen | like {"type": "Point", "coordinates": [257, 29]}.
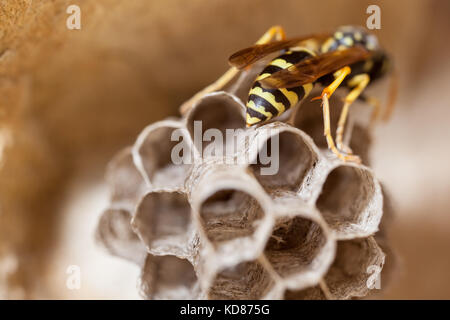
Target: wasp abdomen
{"type": "Point", "coordinates": [263, 104]}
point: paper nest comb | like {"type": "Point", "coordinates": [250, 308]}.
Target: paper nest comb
{"type": "Point", "coordinates": [211, 230]}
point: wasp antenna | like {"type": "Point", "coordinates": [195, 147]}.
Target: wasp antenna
{"type": "Point", "coordinates": [392, 96]}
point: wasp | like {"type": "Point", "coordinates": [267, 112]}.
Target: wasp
{"type": "Point", "coordinates": [350, 57]}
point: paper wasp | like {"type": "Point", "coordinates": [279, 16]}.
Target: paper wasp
{"type": "Point", "coordinates": [349, 57]}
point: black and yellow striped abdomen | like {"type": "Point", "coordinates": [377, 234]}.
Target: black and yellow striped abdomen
{"type": "Point", "coordinates": [263, 104]}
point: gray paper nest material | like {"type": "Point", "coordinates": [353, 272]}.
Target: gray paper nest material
{"type": "Point", "coordinates": [223, 231]}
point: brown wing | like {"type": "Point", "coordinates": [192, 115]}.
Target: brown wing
{"type": "Point", "coordinates": [311, 69]}
{"type": "Point", "coordinates": [247, 56]}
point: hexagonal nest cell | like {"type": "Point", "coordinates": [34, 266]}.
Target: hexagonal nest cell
{"type": "Point", "coordinates": [152, 154]}
{"type": "Point", "coordinates": [125, 181]}
{"type": "Point", "coordinates": [245, 281]}
{"type": "Point", "coordinates": [115, 233]}
{"type": "Point", "coordinates": [163, 222]}
{"type": "Point", "coordinates": [215, 230]}
{"type": "Point", "coordinates": [168, 277]}
{"type": "Point", "coordinates": [295, 160]}
{"type": "Point", "coordinates": [229, 214]}
{"type": "Point", "coordinates": [350, 201]}
{"type": "Point", "coordinates": [356, 269]}
{"type": "Point", "coordinates": [293, 245]}
{"type": "Point", "coordinates": [219, 112]}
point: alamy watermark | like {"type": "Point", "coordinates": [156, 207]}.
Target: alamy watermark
{"type": "Point", "coordinates": [374, 20]}
{"type": "Point", "coordinates": [73, 21]}
{"type": "Point", "coordinates": [374, 280]}
{"type": "Point", "coordinates": [73, 281]}
{"type": "Point", "coordinates": [228, 147]}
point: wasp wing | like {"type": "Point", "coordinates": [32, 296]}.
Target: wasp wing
{"type": "Point", "coordinates": [311, 69]}
{"type": "Point", "coordinates": [250, 55]}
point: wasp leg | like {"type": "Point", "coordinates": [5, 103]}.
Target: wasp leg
{"type": "Point", "coordinates": [327, 133]}
{"type": "Point", "coordinates": [359, 82]}
{"type": "Point", "coordinates": [326, 93]}
{"type": "Point", "coordinates": [215, 86]}
{"type": "Point", "coordinates": [275, 32]}
{"type": "Point", "coordinates": [339, 77]}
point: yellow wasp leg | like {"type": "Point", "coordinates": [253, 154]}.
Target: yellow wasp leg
{"type": "Point", "coordinates": [327, 133]}
{"type": "Point", "coordinates": [275, 32]}
{"type": "Point", "coordinates": [359, 82]}
{"type": "Point", "coordinates": [326, 93]}
{"type": "Point", "coordinates": [326, 290]}
{"type": "Point", "coordinates": [339, 77]}
{"type": "Point", "coordinates": [215, 86]}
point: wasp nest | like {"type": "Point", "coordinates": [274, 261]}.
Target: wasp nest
{"type": "Point", "coordinates": [217, 228]}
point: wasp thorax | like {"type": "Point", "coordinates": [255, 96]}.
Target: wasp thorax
{"type": "Point", "coordinates": [350, 36]}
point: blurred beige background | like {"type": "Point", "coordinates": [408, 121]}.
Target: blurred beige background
{"type": "Point", "coordinates": [70, 99]}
